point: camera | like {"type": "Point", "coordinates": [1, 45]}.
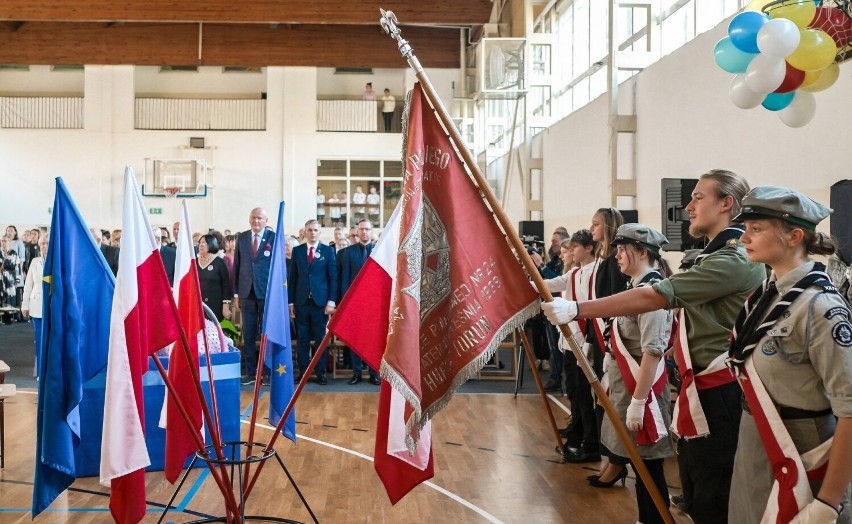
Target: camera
{"type": "Point", "coordinates": [533, 243]}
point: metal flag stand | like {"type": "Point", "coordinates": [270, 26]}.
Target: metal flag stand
{"type": "Point", "coordinates": [389, 24]}
{"type": "Point", "coordinates": [240, 464]}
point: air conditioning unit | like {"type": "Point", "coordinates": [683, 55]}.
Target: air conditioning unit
{"type": "Point", "coordinates": [501, 68]}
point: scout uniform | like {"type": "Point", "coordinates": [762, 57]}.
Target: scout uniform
{"type": "Point", "coordinates": [630, 338]}
{"type": "Point", "coordinates": [793, 356]}
{"type": "Point", "coordinates": [711, 293]}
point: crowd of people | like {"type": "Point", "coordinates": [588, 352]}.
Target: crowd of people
{"type": "Point", "coordinates": [757, 334]}
{"type": "Point", "coordinates": [332, 211]}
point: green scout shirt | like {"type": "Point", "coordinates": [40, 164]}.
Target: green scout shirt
{"type": "Point", "coordinates": [712, 294]}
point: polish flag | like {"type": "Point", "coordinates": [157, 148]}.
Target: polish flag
{"type": "Point", "coordinates": [187, 292]}
{"type": "Point", "coordinates": [362, 321]}
{"type": "Point", "coordinates": [143, 320]}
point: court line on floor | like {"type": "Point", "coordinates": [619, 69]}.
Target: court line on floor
{"type": "Point", "coordinates": [560, 404]}
{"type": "Point", "coordinates": [439, 489]}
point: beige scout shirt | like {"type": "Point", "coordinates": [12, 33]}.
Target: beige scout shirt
{"type": "Point", "coordinates": [712, 293]}
{"type": "Point", "coordinates": [805, 359]}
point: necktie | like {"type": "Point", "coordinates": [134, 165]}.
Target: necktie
{"type": "Point", "coordinates": [363, 253]}
{"type": "Point", "coordinates": [254, 246]}
{"type": "Point", "coordinates": [311, 255]}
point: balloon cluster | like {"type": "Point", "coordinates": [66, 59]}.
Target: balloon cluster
{"type": "Point", "coordinates": [782, 58]}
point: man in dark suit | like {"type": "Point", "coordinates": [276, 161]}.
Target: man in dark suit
{"type": "Point", "coordinates": [167, 253]}
{"type": "Point", "coordinates": [110, 253]}
{"type": "Point", "coordinates": [312, 286]}
{"type": "Point", "coordinates": [353, 259]}
{"type": "Point", "coordinates": [252, 258]}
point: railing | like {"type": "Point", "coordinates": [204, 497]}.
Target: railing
{"type": "Point", "coordinates": [348, 115]}
{"type": "Point", "coordinates": [201, 114]}
{"type": "Point", "coordinates": [41, 112]}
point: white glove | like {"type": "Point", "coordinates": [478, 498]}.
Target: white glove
{"type": "Point", "coordinates": [635, 414]}
{"type": "Point", "coordinates": [560, 311]}
{"type": "Point", "coordinates": [817, 512]}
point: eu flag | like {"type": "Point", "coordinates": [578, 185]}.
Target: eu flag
{"type": "Point", "coordinates": [78, 289]}
{"type": "Point", "coordinates": [276, 326]}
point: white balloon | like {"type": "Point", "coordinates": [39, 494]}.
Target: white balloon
{"type": "Point", "coordinates": [778, 37]}
{"type": "Point", "coordinates": [742, 96]}
{"type": "Point", "coordinates": [800, 111]}
{"type": "Point", "coordinates": [765, 73]}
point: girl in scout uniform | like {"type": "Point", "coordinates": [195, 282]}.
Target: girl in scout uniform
{"type": "Point", "coordinates": [637, 378]}
{"type": "Point", "coordinates": [792, 354]}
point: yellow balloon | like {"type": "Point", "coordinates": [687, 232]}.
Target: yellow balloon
{"type": "Point", "coordinates": [800, 12]}
{"type": "Point", "coordinates": [756, 5]}
{"type": "Point", "coordinates": [816, 51]}
{"type": "Point", "coordinates": [827, 77]}
{"type": "Point", "coordinates": [810, 78]}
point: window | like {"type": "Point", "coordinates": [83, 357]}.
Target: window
{"type": "Point", "coordinates": [169, 69]}
{"type": "Point", "coordinates": [351, 190]}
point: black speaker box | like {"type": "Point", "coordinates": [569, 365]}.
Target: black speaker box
{"type": "Point", "coordinates": [676, 194]}
{"type": "Point", "coordinates": [841, 219]}
{"type": "Point", "coordinates": [631, 216]}
{"type": "Point", "coordinates": [531, 227]}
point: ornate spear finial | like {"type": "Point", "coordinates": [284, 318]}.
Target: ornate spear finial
{"type": "Point", "coordinates": [389, 23]}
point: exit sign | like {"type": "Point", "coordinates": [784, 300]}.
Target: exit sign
{"type": "Point", "coordinates": [155, 211]}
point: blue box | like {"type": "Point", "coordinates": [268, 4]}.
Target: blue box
{"type": "Point", "coordinates": [226, 377]}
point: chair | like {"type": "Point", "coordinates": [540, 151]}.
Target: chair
{"type": "Point", "coordinates": [6, 390]}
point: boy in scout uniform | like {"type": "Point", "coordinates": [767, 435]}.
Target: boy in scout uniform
{"type": "Point", "coordinates": [792, 352]}
{"type": "Point", "coordinates": [710, 294]}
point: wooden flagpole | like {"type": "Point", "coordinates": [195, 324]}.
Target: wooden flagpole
{"type": "Point", "coordinates": [389, 23]}
{"type": "Point", "coordinates": [528, 351]}
{"type": "Point", "coordinates": [261, 357]}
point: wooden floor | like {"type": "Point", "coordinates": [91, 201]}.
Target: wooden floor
{"type": "Point", "coordinates": [494, 462]}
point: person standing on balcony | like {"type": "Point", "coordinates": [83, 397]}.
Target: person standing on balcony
{"type": "Point", "coordinates": [369, 94]}
{"type": "Point", "coordinates": [388, 106]}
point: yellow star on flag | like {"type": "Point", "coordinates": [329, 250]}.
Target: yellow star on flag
{"type": "Point", "coordinates": [282, 369]}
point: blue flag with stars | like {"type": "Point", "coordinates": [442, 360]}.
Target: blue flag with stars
{"type": "Point", "coordinates": [77, 290]}
{"type": "Point", "coordinates": [276, 327]}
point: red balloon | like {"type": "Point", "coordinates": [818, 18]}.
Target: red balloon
{"type": "Point", "coordinates": [834, 22]}
{"type": "Point", "coordinates": [792, 80]}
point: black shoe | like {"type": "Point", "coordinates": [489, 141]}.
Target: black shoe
{"type": "Point", "coordinates": [247, 380]}
{"type": "Point", "coordinates": [598, 483]}
{"type": "Point", "coordinates": [552, 385]}
{"type": "Point", "coordinates": [321, 380]}
{"type": "Point", "coordinates": [264, 381]}
{"type": "Point", "coordinates": [354, 380]}
{"type": "Point", "coordinates": [376, 381]}
{"type": "Point", "coordinates": [581, 456]}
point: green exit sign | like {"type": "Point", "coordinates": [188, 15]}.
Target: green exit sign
{"type": "Point", "coordinates": [155, 211]}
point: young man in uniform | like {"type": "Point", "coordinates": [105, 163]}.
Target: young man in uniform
{"type": "Point", "coordinates": [710, 294]}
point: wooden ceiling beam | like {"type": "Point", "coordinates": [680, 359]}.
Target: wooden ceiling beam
{"type": "Point", "coordinates": [223, 45]}
{"type": "Point", "coordinates": [343, 12]}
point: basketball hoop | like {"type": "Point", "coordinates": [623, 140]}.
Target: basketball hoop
{"type": "Point", "coordinates": [171, 192]}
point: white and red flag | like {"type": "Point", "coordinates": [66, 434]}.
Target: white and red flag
{"type": "Point", "coordinates": [187, 292]}
{"type": "Point", "coordinates": [142, 322]}
{"type": "Point", "coordinates": [438, 294]}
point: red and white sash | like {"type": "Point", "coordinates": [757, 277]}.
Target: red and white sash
{"type": "Point", "coordinates": [575, 283]}
{"type": "Point", "coordinates": [598, 324]}
{"type": "Point", "coordinates": [791, 491]}
{"type": "Point", "coordinates": [688, 420]}
{"type": "Point", "coordinates": [653, 425]}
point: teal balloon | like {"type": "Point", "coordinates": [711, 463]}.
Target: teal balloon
{"type": "Point", "coordinates": [778, 101]}
{"type": "Point", "coordinates": [743, 30]}
{"type": "Point", "coordinates": [731, 59]}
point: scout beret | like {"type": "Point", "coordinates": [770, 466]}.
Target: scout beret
{"type": "Point", "coordinates": [641, 235]}
{"type": "Point", "coordinates": [784, 203]}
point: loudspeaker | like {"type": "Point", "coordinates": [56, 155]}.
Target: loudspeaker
{"type": "Point", "coordinates": [676, 194]}
{"type": "Point", "coordinates": [631, 216]}
{"type": "Point", "coordinates": [531, 227]}
{"type": "Point", "coordinates": [841, 219]}
{"type": "Point", "coordinates": [196, 142]}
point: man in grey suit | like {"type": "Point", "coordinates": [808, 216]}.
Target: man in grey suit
{"type": "Point", "coordinates": [252, 258]}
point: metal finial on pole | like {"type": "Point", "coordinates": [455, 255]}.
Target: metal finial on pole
{"type": "Point", "coordinates": [389, 24]}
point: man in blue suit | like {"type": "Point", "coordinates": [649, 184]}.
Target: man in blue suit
{"type": "Point", "coordinates": [353, 259]}
{"type": "Point", "coordinates": [312, 286]}
{"type": "Point", "coordinates": [252, 257]}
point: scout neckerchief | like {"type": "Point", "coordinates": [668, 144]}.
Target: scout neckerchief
{"type": "Point", "coordinates": [791, 491]}
{"type": "Point", "coordinates": [688, 419]}
{"type": "Point", "coordinates": [653, 426]}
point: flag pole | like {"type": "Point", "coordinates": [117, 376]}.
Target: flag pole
{"type": "Point", "coordinates": [230, 502]}
{"type": "Point", "coordinates": [389, 23]}
{"type": "Point", "coordinates": [559, 446]}
{"type": "Point", "coordinates": [257, 383]}
{"type": "Point", "coordinates": [306, 374]}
